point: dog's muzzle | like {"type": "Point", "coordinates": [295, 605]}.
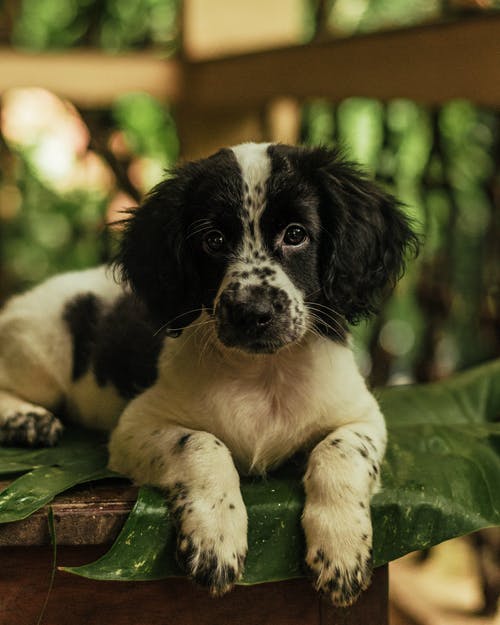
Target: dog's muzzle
{"type": "Point", "coordinates": [255, 318]}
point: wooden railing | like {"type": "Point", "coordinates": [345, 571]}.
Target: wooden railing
{"type": "Point", "coordinates": [222, 100]}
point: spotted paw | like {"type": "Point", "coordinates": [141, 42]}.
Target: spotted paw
{"type": "Point", "coordinates": [212, 538]}
{"type": "Point", "coordinates": [339, 555]}
{"type": "Point", "coordinates": [207, 566]}
{"type": "Point", "coordinates": [36, 428]}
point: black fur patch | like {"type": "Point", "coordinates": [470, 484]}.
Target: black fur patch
{"type": "Point", "coordinates": [364, 233]}
{"type": "Point", "coordinates": [171, 271]}
{"type": "Point", "coordinates": [119, 344]}
{"type": "Point", "coordinates": [294, 197]}
{"type": "Point", "coordinates": [128, 347]}
{"type": "Point", "coordinates": [82, 316]}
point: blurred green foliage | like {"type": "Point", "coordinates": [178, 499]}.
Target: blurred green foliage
{"type": "Point", "coordinates": [349, 17]}
{"type": "Point", "coordinates": [46, 229]}
{"type": "Point", "coordinates": [149, 129]}
{"type": "Point", "coordinates": [51, 232]}
{"type": "Point", "coordinates": [113, 25]}
{"type": "Point", "coordinates": [441, 165]}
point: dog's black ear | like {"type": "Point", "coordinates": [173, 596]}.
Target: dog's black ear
{"type": "Point", "coordinates": [154, 260]}
{"type": "Point", "coordinates": [366, 237]}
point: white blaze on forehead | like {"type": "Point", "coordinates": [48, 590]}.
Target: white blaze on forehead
{"type": "Point", "coordinates": [255, 166]}
{"type": "Point", "coordinates": [254, 162]}
{"type": "Point", "coordinates": [253, 264]}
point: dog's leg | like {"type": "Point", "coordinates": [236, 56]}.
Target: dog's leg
{"type": "Point", "coordinates": [342, 474]}
{"type": "Point", "coordinates": [197, 472]}
{"type": "Point", "coordinates": [29, 389]}
{"type": "Point", "coordinates": [25, 424]}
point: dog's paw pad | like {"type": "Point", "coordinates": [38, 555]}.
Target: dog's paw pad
{"type": "Point", "coordinates": [209, 567]}
{"type": "Point", "coordinates": [34, 428]}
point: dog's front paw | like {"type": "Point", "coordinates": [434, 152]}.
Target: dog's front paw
{"type": "Point", "coordinates": [34, 428]}
{"type": "Point", "coordinates": [212, 537]}
{"type": "Point", "coordinates": [339, 553]}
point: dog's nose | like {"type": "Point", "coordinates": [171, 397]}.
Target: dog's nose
{"type": "Point", "coordinates": [249, 314]}
{"type": "Point", "coordinates": [254, 318]}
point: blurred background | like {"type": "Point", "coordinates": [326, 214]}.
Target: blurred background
{"type": "Point", "coordinates": [99, 97]}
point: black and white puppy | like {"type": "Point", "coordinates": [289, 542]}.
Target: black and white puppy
{"type": "Point", "coordinates": [251, 263]}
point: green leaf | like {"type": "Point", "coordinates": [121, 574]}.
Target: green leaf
{"type": "Point", "coordinates": [80, 458]}
{"type": "Point", "coordinates": [442, 468]}
{"type": "Point", "coordinates": [77, 444]}
{"type": "Point", "coordinates": [144, 548]}
{"type": "Point", "coordinates": [440, 480]}
{"type": "Point", "coordinates": [33, 490]}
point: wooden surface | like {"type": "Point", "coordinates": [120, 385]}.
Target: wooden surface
{"type": "Point", "coordinates": [91, 78]}
{"type": "Point", "coordinates": [87, 520]}
{"type": "Point", "coordinates": [430, 64]}
{"type": "Point", "coordinates": [86, 515]}
{"type": "Point", "coordinates": [25, 575]}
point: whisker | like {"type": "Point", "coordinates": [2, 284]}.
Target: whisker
{"type": "Point", "coordinates": [166, 324]}
{"type": "Point", "coordinates": [329, 308]}
{"type": "Point", "coordinates": [338, 320]}
{"type": "Point", "coordinates": [195, 325]}
{"type": "Point", "coordinates": [338, 331]}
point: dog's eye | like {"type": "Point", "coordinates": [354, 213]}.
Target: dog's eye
{"type": "Point", "coordinates": [214, 241]}
{"type": "Point", "coordinates": [294, 235]}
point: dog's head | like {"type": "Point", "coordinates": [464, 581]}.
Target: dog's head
{"type": "Point", "coordinates": [272, 241]}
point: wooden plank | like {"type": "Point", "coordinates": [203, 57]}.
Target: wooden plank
{"type": "Point", "coordinates": [220, 28]}
{"type": "Point", "coordinates": [25, 574]}
{"type": "Point", "coordinates": [430, 64]}
{"type": "Point", "coordinates": [91, 78]}
{"type": "Point", "coordinates": [87, 519]}
{"type": "Point", "coordinates": [86, 515]}
{"type": "Point", "coordinates": [202, 133]}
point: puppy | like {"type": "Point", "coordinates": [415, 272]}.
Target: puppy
{"type": "Point", "coordinates": [224, 348]}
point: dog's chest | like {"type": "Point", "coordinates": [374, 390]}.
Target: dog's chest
{"type": "Point", "coordinates": [264, 412]}
{"type": "Point", "coordinates": [264, 409]}
{"type": "Point", "coordinates": [262, 421]}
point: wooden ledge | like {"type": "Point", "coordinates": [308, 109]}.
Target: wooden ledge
{"type": "Point", "coordinates": [87, 519]}
{"type": "Point", "coordinates": [86, 515]}
{"type": "Point", "coordinates": [25, 575]}
{"type": "Point", "coordinates": [430, 63]}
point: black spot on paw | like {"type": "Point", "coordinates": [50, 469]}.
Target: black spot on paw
{"type": "Point", "coordinates": [205, 568]}
{"type": "Point", "coordinates": [181, 443]}
{"type": "Point", "coordinates": [363, 452]}
{"type": "Point", "coordinates": [31, 429]}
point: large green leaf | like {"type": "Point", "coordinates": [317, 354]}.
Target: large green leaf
{"type": "Point", "coordinates": [441, 473]}
{"type": "Point", "coordinates": [80, 458]}
{"type": "Point", "coordinates": [146, 546]}
{"type": "Point", "coordinates": [441, 480]}
{"type": "Point", "coordinates": [77, 444]}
